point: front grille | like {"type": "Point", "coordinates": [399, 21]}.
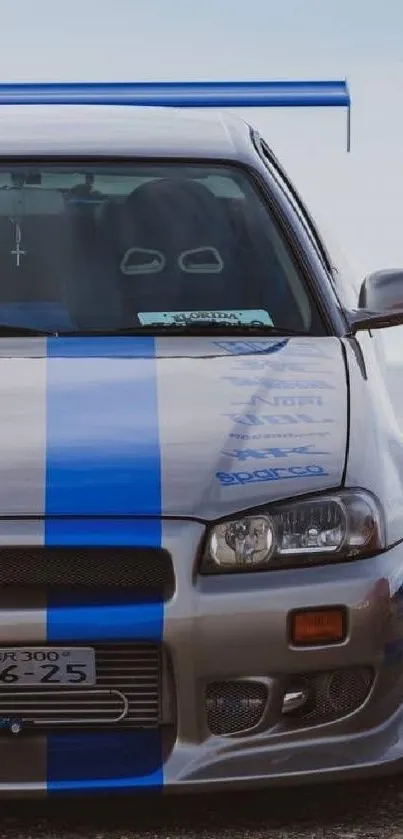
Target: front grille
{"type": "Point", "coordinates": [128, 694]}
{"type": "Point", "coordinates": [235, 707]}
{"type": "Point", "coordinates": [147, 569]}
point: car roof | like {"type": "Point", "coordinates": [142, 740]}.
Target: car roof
{"type": "Point", "coordinates": [118, 130]}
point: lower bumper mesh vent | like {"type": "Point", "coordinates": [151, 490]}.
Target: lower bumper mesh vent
{"type": "Point", "coordinates": [235, 707]}
{"type": "Point", "coordinates": [128, 694]}
{"type": "Point", "coordinates": [331, 696]}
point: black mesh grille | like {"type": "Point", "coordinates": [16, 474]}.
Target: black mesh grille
{"type": "Point", "coordinates": [233, 707]}
{"type": "Point", "coordinates": [88, 568]}
{"type": "Point", "coordinates": [332, 696]}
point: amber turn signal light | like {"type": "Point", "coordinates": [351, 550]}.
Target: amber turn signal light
{"type": "Point", "coordinates": [318, 626]}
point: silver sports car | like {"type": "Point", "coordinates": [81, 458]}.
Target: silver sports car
{"type": "Point", "coordinates": [201, 495]}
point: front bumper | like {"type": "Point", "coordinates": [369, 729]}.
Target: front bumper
{"type": "Point", "coordinates": [216, 630]}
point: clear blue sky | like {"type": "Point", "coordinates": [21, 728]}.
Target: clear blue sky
{"type": "Point", "coordinates": [359, 196]}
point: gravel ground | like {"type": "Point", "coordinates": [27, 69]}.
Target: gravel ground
{"type": "Point", "coordinates": [368, 810]}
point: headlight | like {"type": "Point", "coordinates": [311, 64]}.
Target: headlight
{"type": "Point", "coordinates": [322, 529]}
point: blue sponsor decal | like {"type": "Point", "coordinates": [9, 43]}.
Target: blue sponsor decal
{"type": "Point", "coordinates": [264, 475]}
{"type": "Point", "coordinates": [279, 366]}
{"type": "Point", "coordinates": [262, 454]}
{"type": "Point", "coordinates": [286, 436]}
{"type": "Point", "coordinates": [102, 467]}
{"type": "Point", "coordinates": [306, 349]}
{"type": "Point", "coordinates": [302, 349]}
{"type": "Point", "coordinates": [279, 384]}
{"type": "Point", "coordinates": [275, 419]}
{"type": "Point", "coordinates": [245, 347]}
{"type": "Point", "coordinates": [282, 401]}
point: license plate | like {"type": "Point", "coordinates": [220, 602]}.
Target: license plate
{"type": "Point", "coordinates": [47, 666]}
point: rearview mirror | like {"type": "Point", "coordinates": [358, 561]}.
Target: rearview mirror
{"type": "Point", "coordinates": [382, 291]}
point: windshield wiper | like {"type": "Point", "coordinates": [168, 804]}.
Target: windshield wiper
{"type": "Point", "coordinates": [183, 328]}
{"type": "Point", "coordinates": [195, 327]}
{"type": "Point", "coordinates": [9, 331]}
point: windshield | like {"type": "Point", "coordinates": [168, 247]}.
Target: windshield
{"type": "Point", "coordinates": [109, 247]}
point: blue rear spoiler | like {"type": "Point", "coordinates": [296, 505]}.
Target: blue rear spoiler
{"type": "Point", "coordinates": [259, 94]}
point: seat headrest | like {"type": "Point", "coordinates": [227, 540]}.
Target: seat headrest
{"type": "Point", "coordinates": [176, 205]}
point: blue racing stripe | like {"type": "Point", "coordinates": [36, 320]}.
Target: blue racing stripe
{"type": "Point", "coordinates": [102, 436]}
{"type": "Point", "coordinates": [104, 532]}
{"type": "Point", "coordinates": [101, 347]}
{"type": "Point", "coordinates": [104, 762]}
{"type": "Point", "coordinates": [104, 616]}
{"type": "Point", "coordinates": [103, 460]}
{"type": "Point", "coordinates": [101, 761]}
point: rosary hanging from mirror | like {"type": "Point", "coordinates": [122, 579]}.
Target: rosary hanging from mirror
{"type": "Point", "coordinates": [18, 251]}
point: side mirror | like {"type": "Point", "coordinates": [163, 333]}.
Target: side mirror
{"type": "Point", "coordinates": [380, 302]}
{"type": "Point", "coordinates": [382, 291]}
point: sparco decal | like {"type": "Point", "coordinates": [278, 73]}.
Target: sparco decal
{"type": "Point", "coordinates": [263, 475]}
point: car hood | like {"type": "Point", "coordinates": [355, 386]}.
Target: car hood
{"type": "Point", "coordinates": [187, 427]}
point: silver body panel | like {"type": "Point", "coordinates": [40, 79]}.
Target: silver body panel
{"type": "Point", "coordinates": [231, 627]}
{"type": "Point", "coordinates": [235, 628]}
{"type": "Point", "coordinates": [129, 446]}
{"type": "Point", "coordinates": [102, 131]}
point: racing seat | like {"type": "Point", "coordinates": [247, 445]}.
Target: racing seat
{"type": "Point", "coordinates": [173, 246]}
{"type": "Point", "coordinates": [174, 249]}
